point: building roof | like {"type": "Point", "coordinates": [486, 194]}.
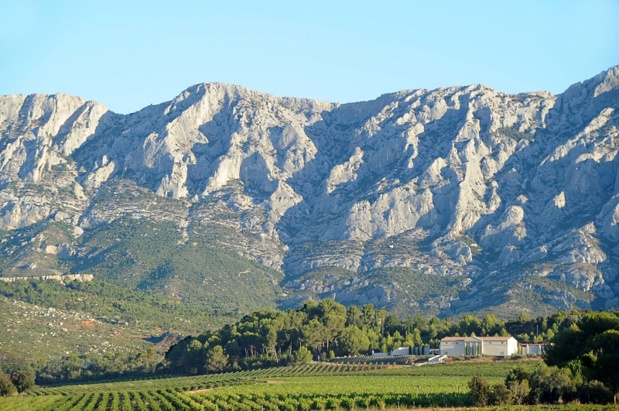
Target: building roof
{"type": "Point", "coordinates": [496, 338]}
{"type": "Point", "coordinates": [448, 339]}
{"type": "Point", "coordinates": [529, 344]}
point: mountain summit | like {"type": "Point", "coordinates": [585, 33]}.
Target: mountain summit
{"type": "Point", "coordinates": [442, 201]}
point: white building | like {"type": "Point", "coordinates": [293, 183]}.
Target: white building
{"type": "Point", "coordinates": [421, 350]}
{"type": "Point", "coordinates": [461, 346]}
{"type": "Point", "coordinates": [495, 346]}
{"type": "Point", "coordinates": [401, 351]}
{"type": "Point", "coordinates": [499, 346]}
{"type": "Point", "coordinates": [532, 349]}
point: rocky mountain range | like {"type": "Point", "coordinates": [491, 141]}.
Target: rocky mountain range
{"type": "Point", "coordinates": [440, 201]}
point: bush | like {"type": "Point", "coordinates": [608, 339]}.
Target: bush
{"type": "Point", "coordinates": [516, 374]}
{"type": "Point", "coordinates": [23, 378]}
{"type": "Point", "coordinates": [6, 386]}
{"type": "Point", "coordinates": [551, 385]}
{"type": "Point", "coordinates": [519, 391]}
{"type": "Point", "coordinates": [500, 395]}
{"type": "Point", "coordinates": [594, 392]}
{"type": "Point", "coordinates": [302, 356]}
{"type": "Point", "coordinates": [479, 390]}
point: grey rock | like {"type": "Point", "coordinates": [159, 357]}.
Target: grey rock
{"type": "Point", "coordinates": [461, 181]}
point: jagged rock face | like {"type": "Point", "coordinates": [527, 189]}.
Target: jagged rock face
{"type": "Point", "coordinates": [461, 182]}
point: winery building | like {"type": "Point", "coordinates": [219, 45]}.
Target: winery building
{"type": "Point", "coordinates": [494, 346]}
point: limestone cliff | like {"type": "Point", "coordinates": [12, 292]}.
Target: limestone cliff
{"type": "Point", "coordinates": [494, 191]}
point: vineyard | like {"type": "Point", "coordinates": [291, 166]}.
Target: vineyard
{"type": "Point", "coordinates": [368, 359]}
{"type": "Point", "coordinates": [307, 387]}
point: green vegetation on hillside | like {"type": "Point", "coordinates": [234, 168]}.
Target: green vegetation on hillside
{"type": "Point", "coordinates": [109, 303]}
{"type": "Point", "coordinates": [31, 333]}
{"type": "Point", "coordinates": [423, 293]}
{"type": "Point", "coordinates": [49, 319]}
{"type": "Point", "coordinates": [73, 368]}
{"type": "Point", "coordinates": [154, 256]}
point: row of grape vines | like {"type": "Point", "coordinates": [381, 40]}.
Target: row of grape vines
{"type": "Point", "coordinates": [217, 380]}
{"type": "Point", "coordinates": [315, 386]}
{"type": "Point", "coordinates": [369, 360]}
{"type": "Point", "coordinates": [170, 400]}
{"type": "Point", "coordinates": [343, 401]}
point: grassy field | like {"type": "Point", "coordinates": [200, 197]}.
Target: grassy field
{"type": "Point", "coordinates": [305, 387]}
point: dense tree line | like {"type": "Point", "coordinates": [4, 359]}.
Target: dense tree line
{"type": "Point", "coordinates": [15, 376]}
{"type": "Point", "coordinates": [328, 329]}
{"type": "Point", "coordinates": [97, 367]}
{"type": "Point", "coordinates": [590, 348]}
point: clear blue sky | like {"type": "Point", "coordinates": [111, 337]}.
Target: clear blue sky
{"type": "Point", "coordinates": [128, 54]}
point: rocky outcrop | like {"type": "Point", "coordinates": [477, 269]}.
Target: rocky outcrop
{"type": "Point", "coordinates": [459, 182]}
{"type": "Point", "coordinates": [61, 278]}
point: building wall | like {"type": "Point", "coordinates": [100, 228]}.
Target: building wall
{"type": "Point", "coordinates": [475, 348]}
{"type": "Point", "coordinates": [453, 348]}
{"type": "Point", "coordinates": [500, 348]}
{"type": "Point", "coordinates": [400, 351]}
{"type": "Point", "coordinates": [532, 349]}
{"type": "Point", "coordinates": [513, 346]}
{"type": "Point", "coordinates": [492, 347]}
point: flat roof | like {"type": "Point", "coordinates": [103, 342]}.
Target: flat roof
{"type": "Point", "coordinates": [461, 339]}
{"type": "Point", "coordinates": [476, 338]}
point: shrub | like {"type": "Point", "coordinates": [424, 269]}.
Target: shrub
{"type": "Point", "coordinates": [500, 395]}
{"type": "Point", "coordinates": [480, 389]}
{"type": "Point", "coordinates": [23, 378]}
{"type": "Point", "coordinates": [516, 374]}
{"type": "Point", "coordinates": [594, 392]}
{"type": "Point", "coordinates": [303, 356]}
{"type": "Point", "coordinates": [6, 386]}
{"type": "Point", "coordinates": [519, 391]}
{"type": "Point", "coordinates": [551, 385]}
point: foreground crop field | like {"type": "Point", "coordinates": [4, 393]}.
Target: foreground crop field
{"type": "Point", "coordinates": [306, 387]}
